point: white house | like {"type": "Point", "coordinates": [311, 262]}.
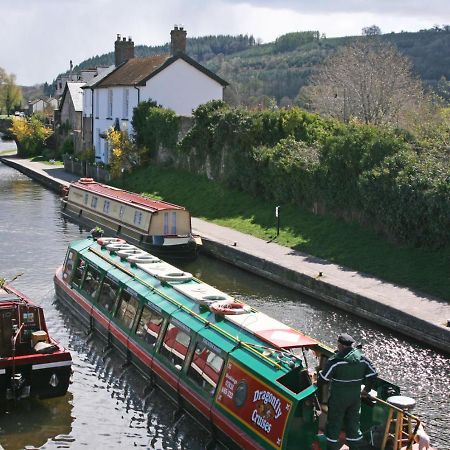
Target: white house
{"type": "Point", "coordinates": [174, 81]}
{"type": "Point", "coordinates": [42, 105]}
{"type": "Point", "coordinates": [88, 112]}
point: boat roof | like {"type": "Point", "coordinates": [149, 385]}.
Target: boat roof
{"type": "Point", "coordinates": [126, 197]}
{"type": "Point", "coordinates": [10, 296]}
{"type": "Point", "coordinates": [254, 327]}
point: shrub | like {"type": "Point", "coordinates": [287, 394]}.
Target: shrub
{"type": "Point", "coordinates": [30, 134]}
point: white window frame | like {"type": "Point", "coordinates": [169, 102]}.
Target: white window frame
{"type": "Point", "coordinates": [126, 101]}
{"type": "Point", "coordinates": [110, 103]}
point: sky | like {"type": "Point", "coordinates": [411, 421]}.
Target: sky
{"type": "Point", "coordinates": [40, 37]}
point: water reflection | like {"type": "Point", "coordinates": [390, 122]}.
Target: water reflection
{"type": "Point", "coordinates": [35, 423]}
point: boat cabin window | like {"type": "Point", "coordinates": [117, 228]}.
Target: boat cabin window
{"type": "Point", "coordinates": [205, 368]}
{"type": "Point", "coordinates": [91, 281]}
{"type": "Point", "coordinates": [94, 202]}
{"type": "Point", "coordinates": [108, 294]}
{"type": "Point", "coordinates": [174, 223]}
{"type": "Point", "coordinates": [137, 217]}
{"type": "Point", "coordinates": [121, 212]}
{"type": "Point", "coordinates": [106, 205]}
{"type": "Point", "coordinates": [175, 345]}
{"type": "Point", "coordinates": [68, 265]}
{"type": "Point", "coordinates": [86, 198]}
{"type": "Point", "coordinates": [149, 325]}
{"type": "Point", "coordinates": [127, 309]}
{"type": "Point", "coordinates": [79, 272]}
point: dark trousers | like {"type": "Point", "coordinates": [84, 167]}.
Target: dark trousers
{"type": "Point", "coordinates": [344, 407]}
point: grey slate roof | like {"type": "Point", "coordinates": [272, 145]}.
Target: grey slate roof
{"type": "Point", "coordinates": [102, 73]}
{"type": "Point", "coordinates": [77, 95]}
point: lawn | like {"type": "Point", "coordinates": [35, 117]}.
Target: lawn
{"type": "Point", "coordinates": [349, 245]}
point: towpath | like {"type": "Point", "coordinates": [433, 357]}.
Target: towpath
{"type": "Point", "coordinates": [401, 309]}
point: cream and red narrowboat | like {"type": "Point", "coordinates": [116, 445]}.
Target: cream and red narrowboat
{"type": "Point", "coordinates": [157, 226]}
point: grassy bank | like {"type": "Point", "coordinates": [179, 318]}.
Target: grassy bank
{"type": "Point", "coordinates": [345, 244]}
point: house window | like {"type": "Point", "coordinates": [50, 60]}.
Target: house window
{"type": "Point", "coordinates": [110, 103]}
{"type": "Point", "coordinates": [166, 223]}
{"type": "Point", "coordinates": [121, 212]}
{"type": "Point", "coordinates": [96, 103]}
{"type": "Point", "coordinates": [106, 206]}
{"type": "Point", "coordinates": [86, 198]}
{"type": "Point", "coordinates": [137, 217]}
{"type": "Point", "coordinates": [126, 98]}
{"type": "Point", "coordinates": [94, 202]}
{"type": "Point", "coordinates": [97, 144]}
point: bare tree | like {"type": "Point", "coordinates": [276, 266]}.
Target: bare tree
{"type": "Point", "coordinates": [369, 81]}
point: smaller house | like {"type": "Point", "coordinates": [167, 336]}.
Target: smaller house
{"type": "Point", "coordinates": [44, 106]}
{"type": "Point", "coordinates": [88, 105]}
{"type": "Point", "coordinates": [71, 110]}
{"type": "Point", "coordinates": [73, 77]}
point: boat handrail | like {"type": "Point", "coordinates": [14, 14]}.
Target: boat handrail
{"type": "Point", "coordinates": [394, 407]}
{"type": "Point", "coordinates": [185, 308]}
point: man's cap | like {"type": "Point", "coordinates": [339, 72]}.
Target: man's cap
{"type": "Point", "coordinates": [345, 339]}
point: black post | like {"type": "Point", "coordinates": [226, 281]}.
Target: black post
{"type": "Point", "coordinates": [277, 215]}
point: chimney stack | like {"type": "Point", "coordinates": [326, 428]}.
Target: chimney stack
{"type": "Point", "coordinates": [123, 50]}
{"type": "Point", "coordinates": [177, 40]}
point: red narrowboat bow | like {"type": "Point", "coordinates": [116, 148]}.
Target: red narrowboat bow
{"type": "Point", "coordinates": [32, 363]}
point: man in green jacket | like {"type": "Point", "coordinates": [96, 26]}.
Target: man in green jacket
{"type": "Point", "coordinates": [346, 371]}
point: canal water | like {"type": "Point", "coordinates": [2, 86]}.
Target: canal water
{"type": "Point", "coordinates": [108, 405]}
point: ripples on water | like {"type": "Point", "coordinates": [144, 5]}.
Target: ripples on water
{"type": "Point", "coordinates": [108, 406]}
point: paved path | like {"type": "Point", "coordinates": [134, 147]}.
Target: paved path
{"type": "Point", "coordinates": [401, 309]}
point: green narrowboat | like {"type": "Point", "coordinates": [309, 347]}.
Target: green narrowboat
{"type": "Point", "coordinates": [246, 377]}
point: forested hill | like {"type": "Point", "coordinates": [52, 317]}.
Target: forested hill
{"type": "Point", "coordinates": [262, 72]}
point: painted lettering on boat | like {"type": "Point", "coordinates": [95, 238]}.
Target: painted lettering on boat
{"type": "Point", "coordinates": [268, 398]}
{"type": "Point", "coordinates": [254, 403]}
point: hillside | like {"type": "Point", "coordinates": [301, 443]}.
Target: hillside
{"type": "Point", "coordinates": [279, 69]}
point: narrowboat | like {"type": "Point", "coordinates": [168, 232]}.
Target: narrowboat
{"type": "Point", "coordinates": [160, 227]}
{"type": "Point", "coordinates": [246, 377]}
{"type": "Point", "coordinates": [32, 363]}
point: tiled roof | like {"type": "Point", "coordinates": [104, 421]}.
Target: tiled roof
{"type": "Point", "coordinates": [127, 197]}
{"type": "Point", "coordinates": [137, 71]}
{"type": "Point", "coordinates": [133, 71]}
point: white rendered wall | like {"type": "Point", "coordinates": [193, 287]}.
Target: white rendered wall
{"type": "Point", "coordinates": [103, 121]}
{"type": "Point", "coordinates": [87, 102]}
{"type": "Point", "coordinates": [182, 88]}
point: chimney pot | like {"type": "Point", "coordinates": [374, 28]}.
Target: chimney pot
{"type": "Point", "coordinates": [123, 50]}
{"type": "Point", "coordinates": [177, 40]}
